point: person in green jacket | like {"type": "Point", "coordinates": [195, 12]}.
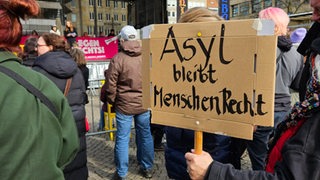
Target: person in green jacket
{"type": "Point", "coordinates": [38, 135]}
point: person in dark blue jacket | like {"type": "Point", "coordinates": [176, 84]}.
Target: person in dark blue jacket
{"type": "Point", "coordinates": [57, 64]}
{"type": "Point", "coordinates": [181, 141]}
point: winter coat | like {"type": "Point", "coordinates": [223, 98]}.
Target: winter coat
{"type": "Point", "coordinates": [288, 67]}
{"type": "Point", "coordinates": [85, 72]}
{"type": "Point", "coordinates": [58, 66]}
{"type": "Point", "coordinates": [124, 79]}
{"type": "Point", "coordinates": [35, 142]}
{"type": "Point", "coordinates": [181, 141]}
{"type": "Point", "coordinates": [301, 158]}
{"type": "Point", "coordinates": [70, 39]}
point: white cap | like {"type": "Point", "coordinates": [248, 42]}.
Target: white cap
{"type": "Point", "coordinates": [128, 33]}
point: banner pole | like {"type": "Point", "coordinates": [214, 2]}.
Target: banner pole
{"type": "Point", "coordinates": [198, 141]}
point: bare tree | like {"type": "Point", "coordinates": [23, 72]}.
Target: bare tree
{"type": "Point", "coordinates": [291, 6]}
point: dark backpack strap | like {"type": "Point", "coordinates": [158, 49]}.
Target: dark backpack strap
{"type": "Point", "coordinates": [33, 90]}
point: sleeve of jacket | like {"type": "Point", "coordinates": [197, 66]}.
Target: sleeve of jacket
{"type": "Point", "coordinates": [69, 134]}
{"type": "Point", "coordinates": [112, 80]}
{"type": "Point", "coordinates": [219, 171]}
{"type": "Point", "coordinates": [103, 93]}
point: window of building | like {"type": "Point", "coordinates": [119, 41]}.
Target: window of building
{"type": "Point", "coordinates": [73, 3]}
{"type": "Point", "coordinates": [256, 6]}
{"type": "Point", "coordinates": [108, 18]}
{"type": "Point", "coordinates": [244, 8]}
{"type": "Point", "coordinates": [123, 4]}
{"type": "Point", "coordinates": [173, 14]}
{"type": "Point", "coordinates": [108, 3]}
{"type": "Point", "coordinates": [169, 14]}
{"type": "Point", "coordinates": [115, 17]}
{"type": "Point", "coordinates": [91, 2]}
{"type": "Point", "coordinates": [100, 29]}
{"type": "Point", "coordinates": [73, 17]}
{"type": "Point", "coordinates": [235, 10]}
{"type": "Point", "coordinates": [100, 16]}
{"type": "Point", "coordinates": [279, 4]}
{"type": "Point", "coordinates": [115, 4]}
{"type": "Point", "coordinates": [196, 4]}
{"type": "Point", "coordinates": [267, 3]}
{"type": "Point", "coordinates": [99, 2]}
{"type": "Point", "coordinates": [90, 30]}
{"type": "Point", "coordinates": [124, 17]}
{"type": "Point", "coordinates": [91, 15]}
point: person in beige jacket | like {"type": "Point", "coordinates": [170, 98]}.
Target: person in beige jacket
{"type": "Point", "coordinates": [124, 92]}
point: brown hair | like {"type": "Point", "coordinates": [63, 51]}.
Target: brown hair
{"type": "Point", "coordinates": [199, 14]}
{"type": "Point", "coordinates": [78, 56]}
{"type": "Point", "coordinates": [69, 27]}
{"type": "Point", "coordinates": [54, 40]}
{"type": "Point", "coordinates": [11, 28]}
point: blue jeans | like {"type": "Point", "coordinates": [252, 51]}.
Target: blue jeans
{"type": "Point", "coordinates": [144, 142]}
{"type": "Point", "coordinates": [258, 147]}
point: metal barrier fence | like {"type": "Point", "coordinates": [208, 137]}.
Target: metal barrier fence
{"type": "Point", "coordinates": [94, 106]}
{"type": "Point", "coordinates": [93, 111]}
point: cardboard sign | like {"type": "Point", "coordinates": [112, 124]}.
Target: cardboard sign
{"type": "Point", "coordinates": [216, 77]}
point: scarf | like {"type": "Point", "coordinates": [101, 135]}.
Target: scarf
{"type": "Point", "coordinates": [298, 115]}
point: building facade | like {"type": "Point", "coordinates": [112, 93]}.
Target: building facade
{"type": "Point", "coordinates": [298, 10]}
{"type": "Point", "coordinates": [52, 13]}
{"type": "Point", "coordinates": [98, 17]}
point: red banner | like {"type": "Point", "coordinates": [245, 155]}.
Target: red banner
{"type": "Point", "coordinates": [97, 49]}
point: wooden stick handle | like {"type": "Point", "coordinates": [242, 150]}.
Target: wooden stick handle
{"type": "Point", "coordinates": [198, 141]}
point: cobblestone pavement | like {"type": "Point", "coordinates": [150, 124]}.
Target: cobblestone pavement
{"type": "Point", "coordinates": [100, 152]}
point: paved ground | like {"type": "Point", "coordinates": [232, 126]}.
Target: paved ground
{"type": "Point", "coordinates": [100, 152]}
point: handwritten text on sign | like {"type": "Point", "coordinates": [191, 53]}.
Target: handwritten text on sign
{"type": "Point", "coordinates": [210, 76]}
{"type": "Point", "coordinates": [220, 102]}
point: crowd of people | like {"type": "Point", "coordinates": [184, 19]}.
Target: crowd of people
{"type": "Point", "coordinates": [45, 97]}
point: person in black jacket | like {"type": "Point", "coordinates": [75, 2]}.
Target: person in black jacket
{"type": "Point", "coordinates": [70, 33]}
{"type": "Point", "coordinates": [288, 64]}
{"type": "Point", "coordinates": [295, 149]}
{"type": "Point", "coordinates": [304, 47]}
{"type": "Point", "coordinates": [179, 140]}
{"type": "Point", "coordinates": [57, 64]}
{"type": "Point", "coordinates": [79, 58]}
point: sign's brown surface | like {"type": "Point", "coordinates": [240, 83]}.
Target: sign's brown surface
{"type": "Point", "coordinates": [215, 77]}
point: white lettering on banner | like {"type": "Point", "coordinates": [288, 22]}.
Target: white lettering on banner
{"type": "Point", "coordinates": [93, 50]}
{"type": "Point", "coordinates": [86, 43]}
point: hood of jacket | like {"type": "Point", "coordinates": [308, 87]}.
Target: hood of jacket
{"type": "Point", "coordinates": [131, 48]}
{"type": "Point", "coordinates": [57, 63]}
{"type": "Point", "coordinates": [284, 43]}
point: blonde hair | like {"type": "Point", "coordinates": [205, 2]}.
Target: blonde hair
{"type": "Point", "coordinates": [78, 56]}
{"type": "Point", "coordinates": [279, 17]}
{"type": "Point", "coordinates": [199, 14]}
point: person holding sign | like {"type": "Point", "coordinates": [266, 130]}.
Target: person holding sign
{"type": "Point", "coordinates": [289, 62]}
{"type": "Point", "coordinates": [295, 150]}
{"type": "Point", "coordinates": [180, 141]}
{"type": "Point", "coordinates": [124, 92]}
